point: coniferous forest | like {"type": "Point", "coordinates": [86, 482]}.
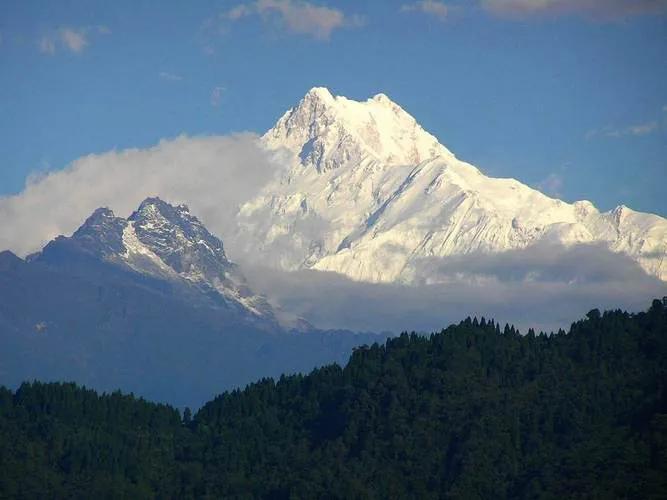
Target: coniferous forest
{"type": "Point", "coordinates": [475, 411]}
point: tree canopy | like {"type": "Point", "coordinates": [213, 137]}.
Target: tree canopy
{"type": "Point", "coordinates": [474, 411]}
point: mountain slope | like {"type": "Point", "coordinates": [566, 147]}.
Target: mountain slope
{"type": "Point", "coordinates": [148, 304]}
{"type": "Point", "coordinates": [369, 194]}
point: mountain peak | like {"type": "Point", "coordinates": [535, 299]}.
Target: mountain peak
{"type": "Point", "coordinates": [372, 195]}
{"type": "Point", "coordinates": [101, 233]}
{"type": "Point", "coordinates": [327, 132]}
{"type": "Point", "coordinates": [153, 203]}
{"type": "Point", "coordinates": [102, 213]}
{"type": "Point", "coordinates": [163, 241]}
{"type": "Point", "coordinates": [319, 93]}
{"type": "Point", "coordinates": [9, 261]}
{"type": "Point", "coordinates": [153, 212]}
{"type": "Point", "coordinates": [173, 234]}
{"type": "Point", "coordinates": [383, 98]}
{"type": "Point", "coordinates": [98, 220]}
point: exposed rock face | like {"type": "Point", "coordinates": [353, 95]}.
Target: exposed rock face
{"type": "Point", "coordinates": [165, 242]}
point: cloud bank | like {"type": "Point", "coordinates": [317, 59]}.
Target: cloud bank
{"type": "Point", "coordinates": [211, 174]}
{"type": "Point", "coordinates": [545, 288]}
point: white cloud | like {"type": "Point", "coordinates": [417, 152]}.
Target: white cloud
{"type": "Point", "coordinates": [597, 9]}
{"type": "Point", "coordinates": [216, 96]}
{"type": "Point", "coordinates": [433, 8]}
{"type": "Point", "coordinates": [211, 174]}
{"type": "Point", "coordinates": [173, 77]}
{"type": "Point", "coordinates": [71, 39]}
{"type": "Point", "coordinates": [296, 16]}
{"type": "Point", "coordinates": [546, 288]}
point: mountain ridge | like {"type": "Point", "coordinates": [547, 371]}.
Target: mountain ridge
{"type": "Point", "coordinates": [149, 304]}
{"type": "Point", "coordinates": [370, 194]}
{"type": "Point", "coordinates": [169, 243]}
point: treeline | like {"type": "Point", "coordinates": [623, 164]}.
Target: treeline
{"type": "Point", "coordinates": [475, 411]}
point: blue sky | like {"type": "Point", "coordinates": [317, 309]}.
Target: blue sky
{"type": "Point", "coordinates": [568, 96]}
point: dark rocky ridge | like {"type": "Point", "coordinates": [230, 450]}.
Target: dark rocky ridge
{"type": "Point", "coordinates": [82, 310]}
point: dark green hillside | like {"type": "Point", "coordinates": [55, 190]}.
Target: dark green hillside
{"type": "Point", "coordinates": [476, 411]}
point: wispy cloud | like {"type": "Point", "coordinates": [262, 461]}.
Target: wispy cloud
{"type": "Point", "coordinates": [71, 39]}
{"type": "Point", "coordinates": [433, 8]}
{"type": "Point", "coordinates": [47, 45]}
{"type": "Point", "coordinates": [596, 9]}
{"type": "Point", "coordinates": [74, 40]}
{"type": "Point", "coordinates": [173, 77]}
{"type": "Point", "coordinates": [296, 16]}
{"type": "Point", "coordinates": [639, 129]}
{"type": "Point", "coordinates": [552, 185]}
{"type": "Point", "coordinates": [216, 96]}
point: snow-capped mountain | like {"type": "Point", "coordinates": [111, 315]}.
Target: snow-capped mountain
{"type": "Point", "coordinates": [370, 194]}
{"type": "Point", "coordinates": [169, 243]}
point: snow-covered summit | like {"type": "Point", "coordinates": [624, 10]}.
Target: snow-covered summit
{"type": "Point", "coordinates": [327, 132]}
{"type": "Point", "coordinates": [371, 195]}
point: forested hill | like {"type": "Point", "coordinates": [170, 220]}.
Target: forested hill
{"type": "Point", "coordinates": [475, 411]}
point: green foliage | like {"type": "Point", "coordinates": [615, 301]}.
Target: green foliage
{"type": "Point", "coordinates": [475, 411]}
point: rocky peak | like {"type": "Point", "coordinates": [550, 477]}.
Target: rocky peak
{"type": "Point", "coordinates": [178, 238]}
{"type": "Point", "coordinates": [619, 214]}
{"type": "Point", "coordinates": [166, 242]}
{"type": "Point", "coordinates": [101, 233]}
